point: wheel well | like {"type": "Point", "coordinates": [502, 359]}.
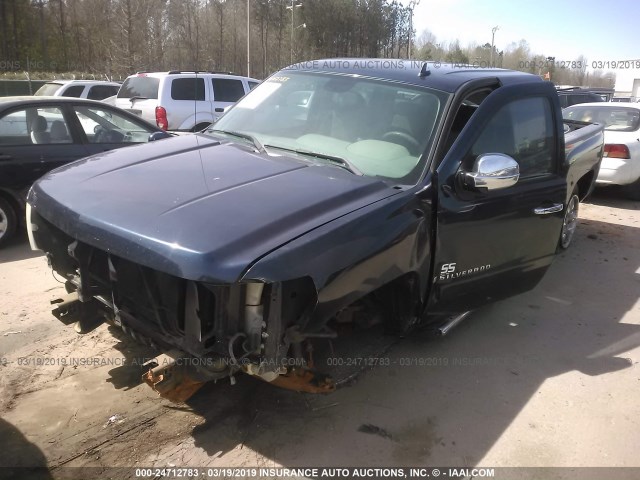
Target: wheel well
{"type": "Point", "coordinates": [584, 184]}
{"type": "Point", "coordinates": [394, 304]}
{"type": "Point", "coordinates": [13, 202]}
{"type": "Point", "coordinates": [200, 126]}
{"type": "Point", "coordinates": [400, 302]}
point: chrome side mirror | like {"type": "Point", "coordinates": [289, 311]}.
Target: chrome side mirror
{"type": "Point", "coordinates": [493, 171]}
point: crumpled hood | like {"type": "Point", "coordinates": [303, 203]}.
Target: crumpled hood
{"type": "Point", "coordinates": [196, 208]}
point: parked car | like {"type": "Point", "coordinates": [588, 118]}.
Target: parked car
{"type": "Point", "coordinates": [38, 134]}
{"type": "Point", "coordinates": [404, 194]}
{"type": "Point", "coordinates": [621, 162]}
{"type": "Point", "coordinates": [574, 96]}
{"type": "Point", "coordinates": [91, 89]}
{"type": "Point", "coordinates": [187, 101]}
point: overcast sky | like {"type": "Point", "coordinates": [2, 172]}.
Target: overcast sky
{"type": "Point", "coordinates": [600, 30]}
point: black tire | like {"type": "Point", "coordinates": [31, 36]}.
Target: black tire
{"type": "Point", "coordinates": [8, 221]}
{"type": "Point", "coordinates": [569, 221]}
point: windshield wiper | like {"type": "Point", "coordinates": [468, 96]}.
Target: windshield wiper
{"type": "Point", "coordinates": [341, 162]}
{"type": "Point", "coordinates": [246, 136]}
{"type": "Point", "coordinates": [137, 97]}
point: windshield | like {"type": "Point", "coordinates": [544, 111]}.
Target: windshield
{"type": "Point", "coordinates": [620, 119]}
{"type": "Point", "coordinates": [376, 128]}
{"type": "Point", "coordinates": [48, 89]}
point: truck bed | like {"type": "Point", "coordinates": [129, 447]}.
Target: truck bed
{"type": "Point", "coordinates": [583, 150]}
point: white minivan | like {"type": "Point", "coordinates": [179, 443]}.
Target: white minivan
{"type": "Point", "coordinates": [178, 100]}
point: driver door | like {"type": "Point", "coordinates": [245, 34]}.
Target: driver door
{"type": "Point", "coordinates": [498, 242]}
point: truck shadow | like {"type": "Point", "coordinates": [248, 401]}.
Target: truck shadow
{"type": "Point", "coordinates": [448, 401]}
{"type": "Point", "coordinates": [17, 249]}
{"type": "Point", "coordinates": [19, 458]}
{"type": "Point", "coordinates": [135, 355]}
{"type": "Point", "coordinates": [612, 197]}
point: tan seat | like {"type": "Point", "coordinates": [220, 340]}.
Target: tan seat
{"type": "Point", "coordinates": [39, 132]}
{"type": "Point", "coordinates": [59, 133]}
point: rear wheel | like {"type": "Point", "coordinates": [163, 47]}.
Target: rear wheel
{"type": "Point", "coordinates": [8, 221]}
{"type": "Point", "coordinates": [570, 221]}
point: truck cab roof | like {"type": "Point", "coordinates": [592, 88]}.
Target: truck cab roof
{"type": "Point", "coordinates": [448, 77]}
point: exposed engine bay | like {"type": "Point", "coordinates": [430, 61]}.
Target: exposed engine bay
{"type": "Point", "coordinates": [207, 332]}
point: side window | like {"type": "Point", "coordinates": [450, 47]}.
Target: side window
{"type": "Point", "coordinates": [100, 92]}
{"type": "Point", "coordinates": [522, 129]}
{"type": "Point", "coordinates": [187, 89]}
{"type": "Point", "coordinates": [34, 126]}
{"type": "Point", "coordinates": [227, 90]}
{"type": "Point", "coordinates": [73, 91]}
{"type": "Point", "coordinates": [253, 85]}
{"type": "Point", "coordinates": [107, 126]}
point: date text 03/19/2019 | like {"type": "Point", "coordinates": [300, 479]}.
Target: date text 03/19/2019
{"type": "Point", "coordinates": [313, 472]}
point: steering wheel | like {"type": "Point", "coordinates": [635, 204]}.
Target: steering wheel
{"type": "Point", "coordinates": [99, 133]}
{"type": "Point", "coordinates": [404, 139]}
{"type": "Point", "coordinates": [104, 135]}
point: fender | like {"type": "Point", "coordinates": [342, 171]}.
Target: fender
{"type": "Point", "coordinates": [356, 254]}
{"type": "Point", "coordinates": [193, 120]}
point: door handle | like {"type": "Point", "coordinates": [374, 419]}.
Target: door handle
{"type": "Point", "coordinates": [219, 110]}
{"type": "Point", "coordinates": [5, 157]}
{"type": "Point", "coordinates": [547, 210]}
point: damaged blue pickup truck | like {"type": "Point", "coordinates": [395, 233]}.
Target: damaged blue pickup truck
{"type": "Point", "coordinates": [408, 195]}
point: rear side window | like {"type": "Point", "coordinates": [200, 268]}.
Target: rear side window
{"type": "Point", "coordinates": [522, 129]}
{"type": "Point", "coordinates": [253, 85]}
{"type": "Point", "coordinates": [73, 91]}
{"type": "Point", "coordinates": [227, 90]}
{"type": "Point", "coordinates": [34, 126]}
{"type": "Point", "coordinates": [100, 92]}
{"type": "Point", "coordinates": [141, 87]}
{"type": "Point", "coordinates": [187, 89]}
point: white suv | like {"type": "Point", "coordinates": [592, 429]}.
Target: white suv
{"type": "Point", "coordinates": [91, 89]}
{"type": "Point", "coordinates": [187, 101]}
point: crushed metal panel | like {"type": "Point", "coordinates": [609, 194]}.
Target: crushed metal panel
{"type": "Point", "coordinates": [170, 380]}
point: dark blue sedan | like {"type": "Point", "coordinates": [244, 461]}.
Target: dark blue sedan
{"type": "Point", "coordinates": [38, 134]}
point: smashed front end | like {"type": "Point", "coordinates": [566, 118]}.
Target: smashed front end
{"type": "Point", "coordinates": [207, 331]}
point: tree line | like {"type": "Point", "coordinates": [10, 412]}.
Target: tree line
{"type": "Point", "coordinates": [114, 38]}
{"type": "Point", "coordinates": [516, 56]}
{"type": "Point", "coordinates": [118, 37]}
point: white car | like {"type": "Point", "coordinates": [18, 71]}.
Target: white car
{"type": "Point", "coordinates": [182, 101]}
{"type": "Point", "coordinates": [621, 158]}
{"type": "Point", "coordinates": [91, 89]}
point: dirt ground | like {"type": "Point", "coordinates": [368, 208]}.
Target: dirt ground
{"type": "Point", "coordinates": [546, 379]}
